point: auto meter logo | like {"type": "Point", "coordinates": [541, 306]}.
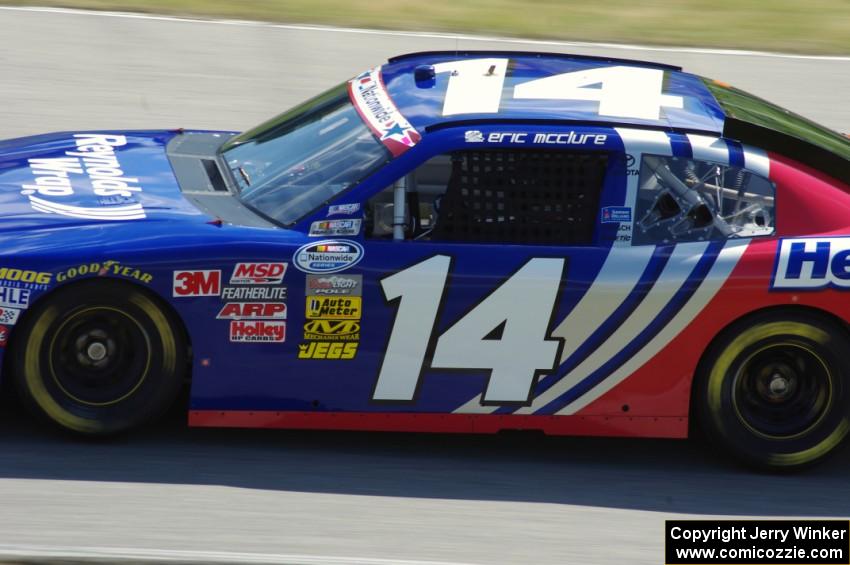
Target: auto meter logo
{"type": "Point", "coordinates": [330, 256]}
{"type": "Point", "coordinates": [258, 273]}
{"type": "Point", "coordinates": [93, 166]}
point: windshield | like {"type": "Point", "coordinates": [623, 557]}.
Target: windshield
{"type": "Point", "coordinates": [292, 164]}
{"type": "Point", "coordinates": [748, 108]}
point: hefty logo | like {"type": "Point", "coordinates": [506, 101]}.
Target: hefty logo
{"type": "Point", "coordinates": [257, 332]}
{"type": "Point", "coordinates": [810, 263]}
{"type": "Point", "coordinates": [252, 311]}
{"type": "Point", "coordinates": [197, 283]}
{"type": "Point", "coordinates": [258, 273]}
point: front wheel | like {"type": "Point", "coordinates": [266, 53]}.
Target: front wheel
{"type": "Point", "coordinates": [99, 358]}
{"type": "Point", "coordinates": [775, 390]}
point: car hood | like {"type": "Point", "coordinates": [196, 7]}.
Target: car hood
{"type": "Point", "coordinates": [89, 177]}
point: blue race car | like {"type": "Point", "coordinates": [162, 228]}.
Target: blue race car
{"type": "Point", "coordinates": [460, 242]}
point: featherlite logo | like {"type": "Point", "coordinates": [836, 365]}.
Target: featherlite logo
{"type": "Point", "coordinates": [94, 159]}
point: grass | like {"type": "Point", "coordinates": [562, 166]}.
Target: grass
{"type": "Point", "coordinates": [805, 26]}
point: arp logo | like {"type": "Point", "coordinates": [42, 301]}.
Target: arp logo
{"type": "Point", "coordinates": [252, 311]}
{"type": "Point", "coordinates": [258, 273]}
{"type": "Point", "coordinates": [809, 263]}
{"type": "Point", "coordinates": [197, 283]}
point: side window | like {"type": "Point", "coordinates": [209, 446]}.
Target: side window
{"type": "Point", "coordinates": [523, 196]}
{"type": "Point", "coordinates": [689, 200]}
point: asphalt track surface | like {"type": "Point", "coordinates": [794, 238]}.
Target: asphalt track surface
{"type": "Point", "coordinates": [311, 497]}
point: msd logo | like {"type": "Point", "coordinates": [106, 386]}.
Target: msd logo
{"type": "Point", "coordinates": [258, 273]}
{"type": "Point", "coordinates": [809, 263]}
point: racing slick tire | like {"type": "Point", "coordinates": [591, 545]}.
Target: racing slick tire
{"type": "Point", "coordinates": [774, 390]}
{"type": "Point", "coordinates": [99, 358]}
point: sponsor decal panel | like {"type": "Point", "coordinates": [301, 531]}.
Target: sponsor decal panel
{"type": "Point", "coordinates": [812, 263]}
{"type": "Point", "coordinates": [12, 297]}
{"type": "Point", "coordinates": [328, 256]}
{"type": "Point", "coordinates": [330, 285]}
{"type": "Point", "coordinates": [327, 350]}
{"type": "Point", "coordinates": [9, 316]}
{"type": "Point", "coordinates": [92, 163]}
{"type": "Point", "coordinates": [333, 307]}
{"type": "Point", "coordinates": [36, 279]}
{"type": "Point", "coordinates": [252, 311]}
{"type": "Point", "coordinates": [326, 228]}
{"type": "Point", "coordinates": [112, 268]}
{"type": "Point", "coordinates": [373, 103]}
{"type": "Point", "coordinates": [257, 331]}
{"type": "Point", "coordinates": [254, 293]}
{"type": "Point", "coordinates": [616, 214]}
{"type": "Point", "coordinates": [197, 283]}
{"type": "Point", "coordinates": [343, 209]}
{"type": "Point", "coordinates": [4, 336]}
{"type": "Point", "coordinates": [332, 330]}
{"type": "Point", "coordinates": [258, 273]}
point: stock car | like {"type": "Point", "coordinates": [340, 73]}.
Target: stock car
{"type": "Point", "coordinates": [448, 242]}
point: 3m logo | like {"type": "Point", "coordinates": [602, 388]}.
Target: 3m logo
{"type": "Point", "coordinates": [810, 263]}
{"type": "Point", "coordinates": [252, 311]}
{"type": "Point", "coordinates": [332, 330]}
{"type": "Point", "coordinates": [197, 283]}
{"type": "Point", "coordinates": [340, 308]}
{"type": "Point", "coordinates": [258, 273]}
{"type": "Point", "coordinates": [257, 332]}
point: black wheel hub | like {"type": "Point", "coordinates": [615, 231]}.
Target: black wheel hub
{"type": "Point", "coordinates": [782, 390]}
{"type": "Point", "coordinates": [99, 356]}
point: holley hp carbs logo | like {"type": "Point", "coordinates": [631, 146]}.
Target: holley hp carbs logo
{"type": "Point", "coordinates": [93, 163]}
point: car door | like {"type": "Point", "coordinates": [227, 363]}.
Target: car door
{"type": "Point", "coordinates": [512, 253]}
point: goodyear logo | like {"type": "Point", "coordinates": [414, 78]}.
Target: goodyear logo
{"type": "Point", "coordinates": [332, 330]}
{"type": "Point", "coordinates": [810, 263]}
{"type": "Point", "coordinates": [334, 307]}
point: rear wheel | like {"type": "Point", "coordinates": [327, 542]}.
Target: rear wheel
{"type": "Point", "coordinates": [775, 391]}
{"type": "Point", "coordinates": [99, 358]}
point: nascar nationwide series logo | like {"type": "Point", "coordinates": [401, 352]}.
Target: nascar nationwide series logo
{"type": "Point", "coordinates": [373, 103]}
{"type": "Point", "coordinates": [258, 273]}
{"type": "Point", "coordinates": [93, 163]}
{"type": "Point", "coordinates": [242, 331]}
{"type": "Point", "coordinates": [328, 256]}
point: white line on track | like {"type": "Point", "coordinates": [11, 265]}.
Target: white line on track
{"type": "Point", "coordinates": [113, 554]}
{"type": "Point", "coordinates": [429, 35]}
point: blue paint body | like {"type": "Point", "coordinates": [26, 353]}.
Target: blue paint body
{"type": "Point", "coordinates": [175, 235]}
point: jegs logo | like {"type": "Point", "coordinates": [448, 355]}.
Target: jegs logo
{"type": "Point", "coordinates": [252, 311]}
{"type": "Point", "coordinates": [812, 262]}
{"type": "Point", "coordinates": [327, 350]}
{"type": "Point", "coordinates": [196, 283]}
{"type": "Point", "coordinates": [258, 273]}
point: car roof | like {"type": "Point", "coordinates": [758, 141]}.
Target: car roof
{"type": "Point", "coordinates": [421, 102]}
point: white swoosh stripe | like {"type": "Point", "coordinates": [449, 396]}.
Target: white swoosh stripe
{"type": "Point", "coordinates": [619, 274]}
{"type": "Point", "coordinates": [707, 148]}
{"type": "Point", "coordinates": [720, 271]}
{"type": "Point", "coordinates": [757, 161]}
{"type": "Point", "coordinates": [679, 266]}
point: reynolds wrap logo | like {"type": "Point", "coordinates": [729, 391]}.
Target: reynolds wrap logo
{"type": "Point", "coordinates": [93, 163]}
{"type": "Point", "coordinates": [810, 263]}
